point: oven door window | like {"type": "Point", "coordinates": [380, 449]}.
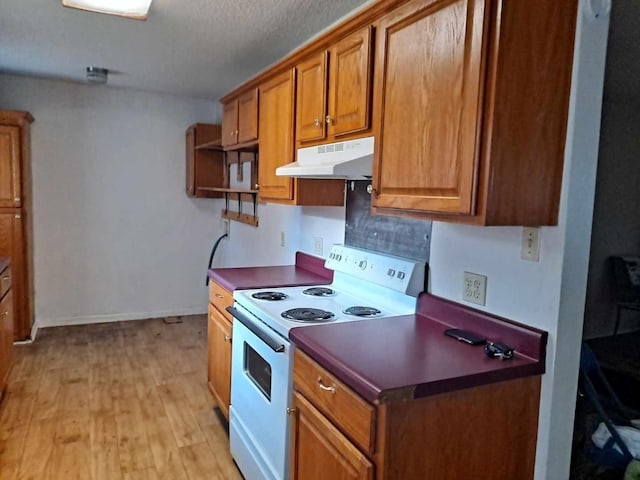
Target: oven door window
{"type": "Point", "coordinates": [258, 370]}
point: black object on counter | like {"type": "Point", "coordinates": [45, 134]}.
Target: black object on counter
{"type": "Point", "coordinates": [498, 350]}
{"type": "Point", "coordinates": [465, 336]}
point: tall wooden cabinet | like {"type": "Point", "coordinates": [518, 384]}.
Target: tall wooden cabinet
{"type": "Point", "coordinates": [15, 214]}
{"type": "Point", "coordinates": [6, 326]}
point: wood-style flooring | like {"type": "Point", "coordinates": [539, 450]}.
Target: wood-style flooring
{"type": "Point", "coordinates": [117, 401]}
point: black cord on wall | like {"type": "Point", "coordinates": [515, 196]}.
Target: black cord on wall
{"type": "Point", "coordinates": [213, 252]}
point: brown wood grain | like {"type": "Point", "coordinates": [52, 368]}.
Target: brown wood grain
{"type": "Point", "coordinates": [10, 177]}
{"type": "Point", "coordinates": [230, 123]}
{"type": "Point", "coordinates": [311, 98]}
{"type": "Point", "coordinates": [248, 116]}
{"type": "Point", "coordinates": [219, 363]}
{"type": "Point", "coordinates": [350, 75]}
{"type": "Point", "coordinates": [221, 298]}
{"type": "Point", "coordinates": [204, 166]}
{"type": "Point", "coordinates": [427, 85]}
{"type": "Point", "coordinates": [276, 136]}
{"type": "Point", "coordinates": [342, 406]}
{"type": "Point", "coordinates": [320, 450]}
{"type": "Point", "coordinates": [6, 338]}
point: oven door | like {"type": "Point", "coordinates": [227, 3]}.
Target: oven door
{"type": "Point", "coordinates": [261, 384]}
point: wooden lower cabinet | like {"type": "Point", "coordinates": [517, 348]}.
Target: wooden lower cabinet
{"type": "Point", "coordinates": [219, 367]}
{"type": "Point", "coordinates": [321, 451]}
{"type": "Point", "coordinates": [485, 430]}
{"type": "Point", "coordinates": [6, 329]}
{"type": "Point", "coordinates": [219, 333]}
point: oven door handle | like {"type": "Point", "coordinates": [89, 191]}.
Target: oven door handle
{"type": "Point", "coordinates": [271, 343]}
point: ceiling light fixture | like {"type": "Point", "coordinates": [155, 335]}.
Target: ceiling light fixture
{"type": "Point", "coordinates": [97, 75]}
{"type": "Point", "coordinates": [135, 9]}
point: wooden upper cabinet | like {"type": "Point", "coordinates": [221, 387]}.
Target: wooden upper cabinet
{"type": "Point", "coordinates": [276, 136]}
{"type": "Point", "coordinates": [240, 119]}
{"type": "Point", "coordinates": [204, 161]}
{"type": "Point", "coordinates": [350, 83]}
{"type": "Point", "coordinates": [10, 179]}
{"type": "Point", "coordinates": [428, 78]}
{"type": "Point", "coordinates": [230, 123]}
{"type": "Point", "coordinates": [334, 88]}
{"type": "Point", "coordinates": [471, 105]}
{"type": "Point", "coordinates": [311, 98]}
{"type": "Point", "coordinates": [248, 116]}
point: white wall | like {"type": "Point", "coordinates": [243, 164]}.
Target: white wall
{"type": "Point", "coordinates": [549, 294]}
{"type": "Point", "coordinates": [115, 235]}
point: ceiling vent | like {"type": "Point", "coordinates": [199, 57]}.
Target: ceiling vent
{"type": "Point", "coordinates": [97, 75]}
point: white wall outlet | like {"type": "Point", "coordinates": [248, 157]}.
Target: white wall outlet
{"type": "Point", "coordinates": [530, 244]}
{"type": "Point", "coordinates": [282, 239]}
{"type": "Point", "coordinates": [226, 227]}
{"type": "Point", "coordinates": [474, 288]}
{"type": "Point", "coordinates": [317, 246]}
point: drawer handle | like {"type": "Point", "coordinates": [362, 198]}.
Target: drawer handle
{"type": "Point", "coordinates": [227, 338]}
{"type": "Point", "coordinates": [322, 386]}
{"type": "Point", "coordinates": [5, 278]}
{"type": "Point", "coordinates": [219, 295]}
{"type": "Point", "coordinates": [5, 313]}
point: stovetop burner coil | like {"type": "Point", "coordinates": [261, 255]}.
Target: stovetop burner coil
{"type": "Point", "coordinates": [318, 292]}
{"type": "Point", "coordinates": [360, 311]}
{"type": "Point", "coordinates": [308, 315]}
{"type": "Point", "coordinates": [270, 296]}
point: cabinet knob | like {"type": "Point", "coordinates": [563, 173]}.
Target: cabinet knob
{"type": "Point", "coordinates": [316, 122]}
{"type": "Point", "coordinates": [16, 199]}
{"type": "Point", "coordinates": [328, 119]}
{"type": "Point", "coordinates": [5, 313]}
{"type": "Point", "coordinates": [5, 278]}
{"type": "Point", "coordinates": [257, 186]}
{"type": "Point", "coordinates": [218, 295]}
{"type": "Point", "coordinates": [236, 132]}
{"type": "Point", "coordinates": [371, 190]}
{"type": "Point", "coordinates": [227, 338]}
{"type": "Point", "coordinates": [18, 216]}
{"type": "Point", "coordinates": [322, 386]}
{"type": "Point", "coordinates": [291, 411]}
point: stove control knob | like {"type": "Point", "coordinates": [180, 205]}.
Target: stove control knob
{"type": "Point", "coordinates": [332, 256]}
{"type": "Point", "coordinates": [338, 257]}
{"type": "Point", "coordinates": [400, 275]}
{"type": "Point", "coordinates": [391, 272]}
{"type": "Point", "coordinates": [363, 264]}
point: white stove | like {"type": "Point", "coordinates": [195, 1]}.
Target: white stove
{"type": "Point", "coordinates": [365, 285]}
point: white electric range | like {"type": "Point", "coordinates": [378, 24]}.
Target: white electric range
{"type": "Point", "coordinates": [365, 285]}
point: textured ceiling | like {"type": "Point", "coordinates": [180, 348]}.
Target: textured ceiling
{"type": "Point", "coordinates": [622, 71]}
{"type": "Point", "coordinates": [200, 48]}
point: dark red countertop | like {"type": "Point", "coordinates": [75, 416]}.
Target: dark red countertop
{"type": "Point", "coordinates": [308, 270]}
{"type": "Point", "coordinates": [4, 263]}
{"type": "Point", "coordinates": [409, 356]}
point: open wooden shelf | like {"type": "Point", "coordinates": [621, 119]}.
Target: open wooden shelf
{"type": "Point", "coordinates": [215, 145]}
{"type": "Point", "coordinates": [240, 217]}
{"type": "Point", "coordinates": [251, 147]}
{"type": "Point", "coordinates": [229, 190]}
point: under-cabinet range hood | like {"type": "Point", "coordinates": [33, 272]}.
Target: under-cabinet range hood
{"type": "Point", "coordinates": [352, 159]}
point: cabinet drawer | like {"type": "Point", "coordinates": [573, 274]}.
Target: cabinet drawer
{"type": "Point", "coordinates": [221, 299]}
{"type": "Point", "coordinates": [352, 415]}
{"type": "Point", "coordinates": [5, 281]}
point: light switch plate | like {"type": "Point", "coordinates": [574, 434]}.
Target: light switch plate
{"type": "Point", "coordinates": [530, 244]}
{"type": "Point", "coordinates": [474, 288]}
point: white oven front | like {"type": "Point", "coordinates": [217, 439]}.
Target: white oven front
{"type": "Point", "coordinates": [261, 385]}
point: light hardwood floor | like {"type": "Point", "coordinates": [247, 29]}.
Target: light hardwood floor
{"type": "Point", "coordinates": [118, 401]}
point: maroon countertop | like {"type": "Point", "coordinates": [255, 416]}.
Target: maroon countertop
{"type": "Point", "coordinates": [308, 270]}
{"type": "Point", "coordinates": [410, 357]}
{"type": "Point", "coordinates": [4, 263]}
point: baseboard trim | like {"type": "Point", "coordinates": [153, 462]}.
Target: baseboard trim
{"type": "Point", "coordinates": [86, 320]}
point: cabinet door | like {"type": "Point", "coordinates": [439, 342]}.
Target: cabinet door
{"type": "Point", "coordinates": [248, 116]}
{"type": "Point", "coordinates": [191, 161]}
{"type": "Point", "coordinates": [276, 136]}
{"type": "Point", "coordinates": [230, 123]}
{"type": "Point", "coordinates": [219, 359]}
{"type": "Point", "coordinates": [311, 94]}
{"type": "Point", "coordinates": [427, 95]}
{"type": "Point", "coordinates": [12, 246]}
{"type": "Point", "coordinates": [319, 450]}
{"type": "Point", "coordinates": [6, 337]}
{"type": "Point", "coordinates": [350, 83]}
{"type": "Point", "coordinates": [10, 194]}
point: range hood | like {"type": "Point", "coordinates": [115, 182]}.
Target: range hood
{"type": "Point", "coordinates": [351, 159]}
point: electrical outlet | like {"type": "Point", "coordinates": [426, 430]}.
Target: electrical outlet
{"type": "Point", "coordinates": [317, 246]}
{"type": "Point", "coordinates": [226, 227]}
{"type": "Point", "coordinates": [474, 288]}
{"type": "Point", "coordinates": [530, 244]}
{"type": "Point", "coordinates": [282, 239]}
